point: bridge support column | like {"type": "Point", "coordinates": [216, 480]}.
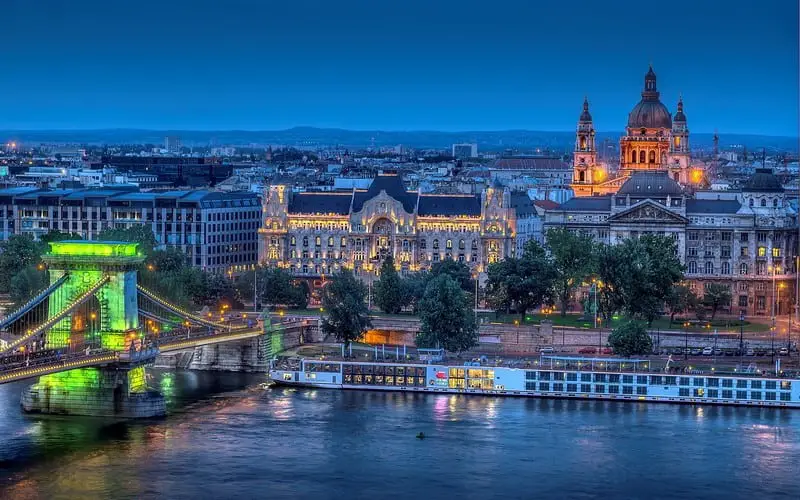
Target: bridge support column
{"type": "Point", "coordinates": [96, 392]}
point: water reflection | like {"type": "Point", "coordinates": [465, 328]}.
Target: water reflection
{"type": "Point", "coordinates": [226, 437]}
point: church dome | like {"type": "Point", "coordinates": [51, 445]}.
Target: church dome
{"type": "Point", "coordinates": [763, 181]}
{"type": "Point", "coordinates": [679, 117]}
{"type": "Point", "coordinates": [650, 112]}
{"type": "Point", "coordinates": [650, 184]}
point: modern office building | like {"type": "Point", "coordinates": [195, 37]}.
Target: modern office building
{"type": "Point", "coordinates": [217, 231]}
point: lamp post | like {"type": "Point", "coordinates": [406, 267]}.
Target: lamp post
{"type": "Point", "coordinates": [741, 335]}
{"type": "Point", "coordinates": [595, 285]}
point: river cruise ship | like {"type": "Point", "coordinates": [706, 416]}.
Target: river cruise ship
{"type": "Point", "coordinates": [548, 377]}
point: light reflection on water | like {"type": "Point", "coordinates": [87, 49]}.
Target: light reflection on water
{"type": "Point", "coordinates": [227, 438]}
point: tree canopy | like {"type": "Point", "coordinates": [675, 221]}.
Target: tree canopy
{"type": "Point", "coordinates": [140, 234]}
{"type": "Point", "coordinates": [524, 283]}
{"type": "Point", "coordinates": [17, 253]}
{"type": "Point", "coordinates": [630, 339]}
{"type": "Point", "coordinates": [346, 316]}
{"type": "Point", "coordinates": [275, 287]}
{"type": "Point", "coordinates": [716, 295]}
{"type": "Point", "coordinates": [680, 299]}
{"type": "Point", "coordinates": [573, 259]}
{"type": "Point", "coordinates": [457, 270]}
{"type": "Point", "coordinates": [388, 292]}
{"type": "Point", "coordinates": [446, 317]}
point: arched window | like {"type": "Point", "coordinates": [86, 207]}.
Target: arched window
{"type": "Point", "coordinates": [652, 156]}
{"type": "Point", "coordinates": [709, 267]}
{"type": "Point", "coordinates": [474, 244]}
{"type": "Point", "coordinates": [583, 142]}
{"type": "Point", "coordinates": [663, 158]}
{"type": "Point", "coordinates": [763, 202]}
{"type": "Point", "coordinates": [293, 241]}
{"type": "Point", "coordinates": [775, 202]}
{"type": "Point", "coordinates": [581, 176]}
{"type": "Point", "coordinates": [305, 241]}
{"type": "Point", "coordinates": [743, 268]}
{"type": "Point", "coordinates": [318, 241]}
{"type": "Point", "coordinates": [692, 267]}
{"type": "Point", "coordinates": [449, 244]}
{"type": "Point", "coordinates": [726, 268]}
{"type": "Point", "coordinates": [294, 254]}
{"type": "Point", "coordinates": [633, 156]}
{"type": "Point", "coordinates": [330, 241]}
{"type": "Point", "coordinates": [343, 242]}
{"type": "Point", "coordinates": [461, 244]}
{"type": "Point", "coordinates": [751, 202]}
{"type": "Point", "coordinates": [435, 243]}
{"type": "Point", "coordinates": [642, 157]}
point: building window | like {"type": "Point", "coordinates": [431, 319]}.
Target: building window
{"type": "Point", "coordinates": [449, 244]}
{"type": "Point", "coordinates": [343, 242]}
{"type": "Point", "coordinates": [726, 268]}
{"type": "Point", "coordinates": [423, 244]}
{"type": "Point", "coordinates": [743, 237]}
{"type": "Point", "coordinates": [762, 251]}
{"type": "Point", "coordinates": [750, 203]}
{"type": "Point", "coordinates": [743, 268]}
{"type": "Point", "coordinates": [642, 157]}
{"type": "Point", "coordinates": [725, 252]}
{"type": "Point", "coordinates": [652, 156]}
{"type": "Point", "coordinates": [761, 302]}
{"type": "Point", "coordinates": [318, 241]}
{"type": "Point", "coordinates": [293, 241]}
{"type": "Point", "coordinates": [692, 267]}
{"type": "Point", "coordinates": [693, 236]}
{"type": "Point", "coordinates": [436, 244]}
{"type": "Point", "coordinates": [633, 156]}
{"type": "Point", "coordinates": [305, 241]}
{"type": "Point", "coordinates": [776, 252]}
{"type": "Point", "coordinates": [726, 236]}
{"type": "Point", "coordinates": [461, 244]}
{"type": "Point", "coordinates": [474, 244]}
{"type": "Point", "coordinates": [744, 251]}
{"type": "Point", "coordinates": [330, 241]}
{"type": "Point", "coordinates": [763, 202]}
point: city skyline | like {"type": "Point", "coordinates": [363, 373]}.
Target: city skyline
{"type": "Point", "coordinates": [358, 66]}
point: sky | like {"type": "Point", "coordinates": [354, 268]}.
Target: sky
{"type": "Point", "coordinates": [451, 65]}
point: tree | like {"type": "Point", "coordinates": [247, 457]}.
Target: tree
{"type": "Point", "coordinates": [637, 275]}
{"type": "Point", "coordinates": [140, 234]}
{"type": "Point", "coordinates": [573, 259]}
{"type": "Point", "coordinates": [346, 315]}
{"type": "Point", "coordinates": [456, 270]}
{"type": "Point", "coordinates": [55, 235]}
{"type": "Point", "coordinates": [446, 318]}
{"type": "Point", "coordinates": [388, 292]}
{"type": "Point", "coordinates": [414, 288]}
{"type": "Point", "coordinates": [680, 300]}
{"type": "Point", "coordinates": [527, 282]}
{"type": "Point", "coordinates": [27, 283]}
{"type": "Point", "coordinates": [630, 339]}
{"type": "Point", "coordinates": [716, 295]}
{"type": "Point", "coordinates": [17, 253]}
{"type": "Point", "coordinates": [168, 260]}
{"type": "Point", "coordinates": [276, 287]}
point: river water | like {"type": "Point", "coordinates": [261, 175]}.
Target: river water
{"type": "Point", "coordinates": [228, 438]}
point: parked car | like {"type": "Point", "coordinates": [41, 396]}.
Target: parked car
{"type": "Point", "coordinates": [750, 352]}
{"type": "Point", "coordinates": [608, 350]}
{"type": "Point", "coordinates": [546, 350]}
{"type": "Point", "coordinates": [783, 351]}
{"type": "Point", "coordinates": [696, 351]}
{"type": "Point", "coordinates": [717, 352]}
{"type": "Point", "coordinates": [587, 350]}
{"type": "Point", "coordinates": [708, 351]}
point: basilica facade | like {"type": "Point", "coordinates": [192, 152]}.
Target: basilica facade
{"type": "Point", "coordinates": [654, 140]}
{"type": "Point", "coordinates": [313, 234]}
{"type": "Point", "coordinates": [745, 239]}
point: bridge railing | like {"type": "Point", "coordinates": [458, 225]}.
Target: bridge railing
{"type": "Point", "coordinates": [35, 301]}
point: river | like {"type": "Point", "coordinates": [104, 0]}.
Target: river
{"type": "Point", "coordinates": [226, 437]}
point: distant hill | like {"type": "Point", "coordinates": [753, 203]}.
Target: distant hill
{"type": "Point", "coordinates": [321, 137]}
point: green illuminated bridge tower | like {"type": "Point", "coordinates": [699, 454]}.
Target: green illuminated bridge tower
{"type": "Point", "coordinates": [102, 277]}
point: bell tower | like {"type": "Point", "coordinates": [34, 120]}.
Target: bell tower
{"type": "Point", "coordinates": [584, 158]}
{"type": "Point", "coordinates": [679, 159]}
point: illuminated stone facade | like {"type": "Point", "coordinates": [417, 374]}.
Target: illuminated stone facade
{"type": "Point", "coordinates": [317, 233]}
{"type": "Point", "coordinates": [654, 140]}
{"type": "Point", "coordinates": [745, 240]}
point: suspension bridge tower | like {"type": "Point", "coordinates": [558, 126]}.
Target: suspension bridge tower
{"type": "Point", "coordinates": [102, 277]}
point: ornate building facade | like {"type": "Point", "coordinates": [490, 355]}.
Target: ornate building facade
{"type": "Point", "coordinates": [317, 233]}
{"type": "Point", "coordinates": [654, 140]}
{"type": "Point", "coordinates": [746, 240]}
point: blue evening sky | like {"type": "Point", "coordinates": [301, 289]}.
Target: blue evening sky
{"type": "Point", "coordinates": [395, 64]}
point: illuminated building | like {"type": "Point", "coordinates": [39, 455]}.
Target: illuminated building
{"type": "Point", "coordinates": [654, 140]}
{"type": "Point", "coordinates": [736, 238]}
{"type": "Point", "coordinates": [313, 234]}
{"type": "Point", "coordinates": [217, 231]}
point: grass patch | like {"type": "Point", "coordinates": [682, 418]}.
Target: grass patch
{"type": "Point", "coordinates": [662, 323]}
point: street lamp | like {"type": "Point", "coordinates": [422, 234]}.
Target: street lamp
{"type": "Point", "coordinates": [774, 270]}
{"type": "Point", "coordinates": [595, 285]}
{"type": "Point", "coordinates": [686, 339]}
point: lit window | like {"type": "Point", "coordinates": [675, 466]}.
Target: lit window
{"type": "Point", "coordinates": [762, 251]}
{"type": "Point", "coordinates": [776, 252]}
